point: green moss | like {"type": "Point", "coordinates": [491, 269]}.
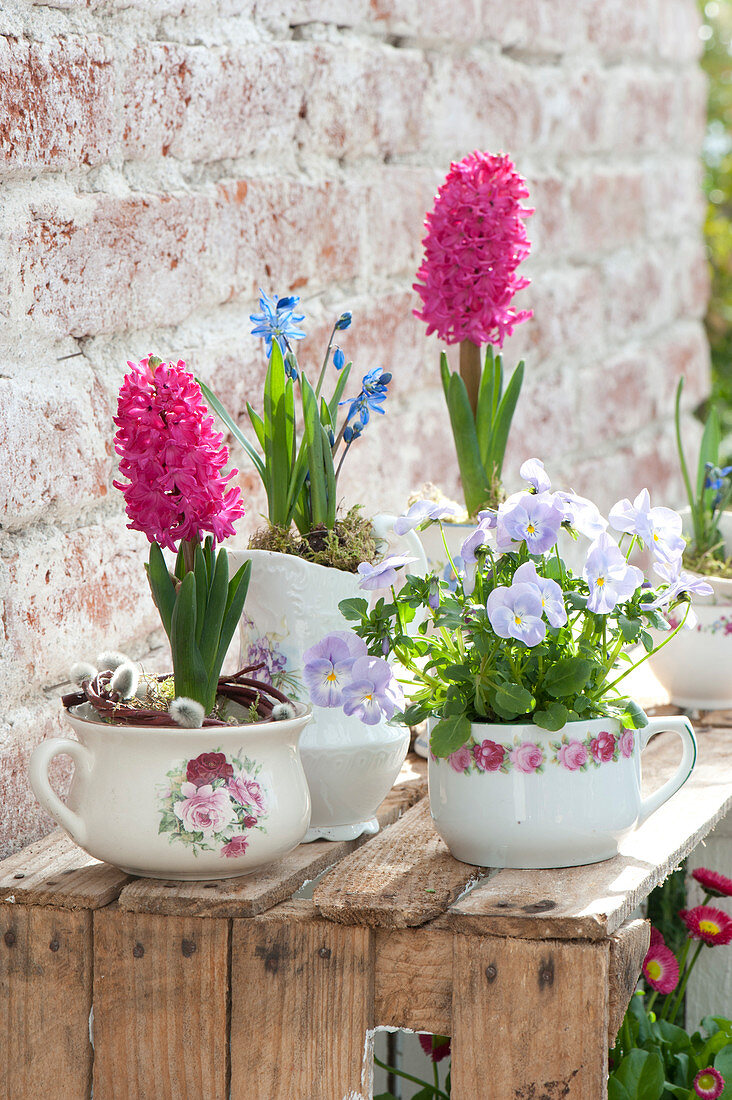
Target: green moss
{"type": "Point", "coordinates": [707, 564]}
{"type": "Point", "coordinates": [343, 547]}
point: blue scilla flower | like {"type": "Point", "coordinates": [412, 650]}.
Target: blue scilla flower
{"type": "Point", "coordinates": [715, 476]}
{"type": "Point", "coordinates": [344, 321]}
{"type": "Point", "coordinates": [277, 321]}
{"type": "Point", "coordinates": [352, 431]}
{"type": "Point", "coordinates": [339, 359]}
{"type": "Point", "coordinates": [370, 399]}
{"type": "Point", "coordinates": [291, 366]}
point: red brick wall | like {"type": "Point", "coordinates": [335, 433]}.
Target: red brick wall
{"type": "Point", "coordinates": [161, 159]}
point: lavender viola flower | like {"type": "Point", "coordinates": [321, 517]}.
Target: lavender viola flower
{"type": "Point", "coordinates": [277, 321]}
{"type": "Point", "coordinates": [658, 528]}
{"type": "Point", "coordinates": [420, 512]}
{"type": "Point", "coordinates": [533, 471]}
{"type": "Point", "coordinates": [327, 666]}
{"type": "Point", "coordinates": [552, 597]}
{"type": "Point", "coordinates": [516, 612]}
{"type": "Point", "coordinates": [373, 692]}
{"type": "Point", "coordinates": [530, 518]}
{"type": "Point", "coordinates": [382, 575]}
{"type": "Point", "coordinates": [479, 537]}
{"type": "Point", "coordinates": [679, 583]}
{"type": "Point", "coordinates": [608, 575]}
{"type": "Point", "coordinates": [581, 514]}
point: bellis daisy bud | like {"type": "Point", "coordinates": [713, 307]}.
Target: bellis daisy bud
{"type": "Point", "coordinates": [281, 712]}
{"type": "Point", "coordinates": [186, 712]}
{"type": "Point", "coordinates": [81, 671]}
{"type": "Point", "coordinates": [110, 660]}
{"type": "Point", "coordinates": [125, 680]}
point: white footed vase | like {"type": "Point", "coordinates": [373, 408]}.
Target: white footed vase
{"type": "Point", "coordinates": [292, 604]}
{"type": "Point", "coordinates": [519, 796]}
{"type": "Point", "coordinates": [167, 802]}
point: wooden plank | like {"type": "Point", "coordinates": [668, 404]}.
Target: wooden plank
{"type": "Point", "coordinates": [255, 893]}
{"type": "Point", "coordinates": [302, 1008]}
{"type": "Point", "coordinates": [413, 979]}
{"type": "Point", "coordinates": [45, 1001]}
{"type": "Point", "coordinates": [529, 1020]}
{"type": "Point", "coordinates": [54, 871]}
{"type": "Point", "coordinates": [404, 877]}
{"type": "Point", "coordinates": [593, 901]}
{"type": "Point", "coordinates": [161, 987]}
{"type": "Point", "coordinates": [628, 948]}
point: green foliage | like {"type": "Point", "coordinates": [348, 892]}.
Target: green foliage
{"type": "Point", "coordinates": [481, 438]}
{"type": "Point", "coordinates": [199, 609]}
{"type": "Point", "coordinates": [709, 492]}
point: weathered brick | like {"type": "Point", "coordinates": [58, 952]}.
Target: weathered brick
{"type": "Point", "coordinates": [438, 19]}
{"type": "Point", "coordinates": [641, 109]}
{"type": "Point", "coordinates": [65, 425]}
{"type": "Point", "coordinates": [607, 210]}
{"type": "Point", "coordinates": [22, 728]}
{"type": "Point", "coordinates": [396, 204]}
{"type": "Point", "coordinates": [535, 27]}
{"type": "Point", "coordinates": [56, 106]}
{"type": "Point", "coordinates": [567, 315]}
{"type": "Point", "coordinates": [674, 201]}
{"type": "Point", "coordinates": [621, 30]}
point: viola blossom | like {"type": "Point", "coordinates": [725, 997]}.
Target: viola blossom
{"type": "Point", "coordinates": [609, 576]}
{"type": "Point", "coordinates": [533, 471]}
{"type": "Point", "coordinates": [580, 513]}
{"type": "Point", "coordinates": [709, 1084]}
{"type": "Point", "coordinates": [373, 692]}
{"type": "Point", "coordinates": [468, 552]}
{"type": "Point", "coordinates": [172, 458]}
{"type": "Point", "coordinates": [327, 666]}
{"type": "Point", "coordinates": [661, 968]}
{"type": "Point", "coordinates": [422, 511]}
{"type": "Point", "coordinates": [529, 518]}
{"type": "Point", "coordinates": [708, 924]}
{"type": "Point", "coordinates": [658, 528]}
{"type": "Point", "coordinates": [277, 321]}
{"type": "Point", "coordinates": [712, 882]}
{"type": "Point", "coordinates": [475, 240]}
{"type": "Point", "coordinates": [679, 583]}
{"type": "Point", "coordinates": [516, 612]}
{"type": "Point", "coordinates": [552, 598]}
{"type": "Point", "coordinates": [382, 575]}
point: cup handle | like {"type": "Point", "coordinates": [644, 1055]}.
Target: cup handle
{"type": "Point", "coordinates": [682, 728]}
{"type": "Point", "coordinates": [42, 756]}
{"type": "Point", "coordinates": [383, 526]}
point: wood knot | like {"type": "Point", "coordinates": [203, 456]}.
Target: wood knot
{"type": "Point", "coordinates": [53, 945]}
{"type": "Point", "coordinates": [546, 972]}
{"type": "Point", "coordinates": [9, 938]}
{"type": "Point", "coordinates": [324, 952]}
{"type": "Point", "coordinates": [138, 951]}
{"type": "Point", "coordinates": [540, 906]}
{"type": "Point", "coordinates": [188, 947]}
{"type": "Point", "coordinates": [491, 972]}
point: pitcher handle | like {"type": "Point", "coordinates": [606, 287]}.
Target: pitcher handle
{"type": "Point", "coordinates": [683, 729]}
{"type": "Point", "coordinates": [42, 756]}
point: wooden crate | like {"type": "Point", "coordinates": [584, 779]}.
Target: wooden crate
{"type": "Point", "coordinates": [182, 991]}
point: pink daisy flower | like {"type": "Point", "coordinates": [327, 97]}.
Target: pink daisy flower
{"type": "Point", "coordinates": [719, 886]}
{"type": "Point", "coordinates": [709, 1083]}
{"type": "Point", "coordinates": [661, 969]}
{"type": "Point", "coordinates": [475, 240]}
{"type": "Point", "coordinates": [709, 924]}
{"type": "Point", "coordinates": [172, 458]}
{"type": "Point", "coordinates": [656, 937]}
{"type": "Point", "coordinates": [436, 1046]}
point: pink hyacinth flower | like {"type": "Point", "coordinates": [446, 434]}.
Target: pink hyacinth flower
{"type": "Point", "coordinates": [172, 458]}
{"type": "Point", "coordinates": [475, 240]}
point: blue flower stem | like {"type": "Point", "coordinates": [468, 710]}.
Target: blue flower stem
{"type": "Point", "coordinates": [324, 367]}
{"type": "Point", "coordinates": [345, 452]}
{"type": "Point", "coordinates": [672, 634]}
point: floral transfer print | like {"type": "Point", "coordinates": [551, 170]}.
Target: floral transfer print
{"type": "Point", "coordinates": [212, 802]}
{"type": "Point", "coordinates": [526, 756]}
{"type": "Point", "coordinates": [722, 625]}
{"type": "Point", "coordinates": [265, 649]}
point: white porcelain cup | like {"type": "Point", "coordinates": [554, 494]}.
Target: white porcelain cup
{"type": "Point", "coordinates": [520, 796]}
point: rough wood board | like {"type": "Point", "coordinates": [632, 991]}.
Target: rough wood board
{"type": "Point", "coordinates": [302, 1004]}
{"type": "Point", "coordinates": [404, 877]}
{"type": "Point", "coordinates": [161, 988]}
{"type": "Point", "coordinates": [628, 948]}
{"type": "Point", "coordinates": [255, 893]}
{"type": "Point", "coordinates": [55, 871]}
{"type": "Point", "coordinates": [530, 1018]}
{"type": "Point", "coordinates": [591, 902]}
{"type": "Point", "coordinates": [413, 979]}
{"type": "Point", "coordinates": [45, 1000]}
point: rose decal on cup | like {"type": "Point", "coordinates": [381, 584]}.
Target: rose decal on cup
{"type": "Point", "coordinates": [213, 803]}
{"type": "Point", "coordinates": [528, 758]}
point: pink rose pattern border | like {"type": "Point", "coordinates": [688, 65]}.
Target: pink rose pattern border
{"type": "Point", "coordinates": [570, 753]}
{"type": "Point", "coordinates": [212, 803]}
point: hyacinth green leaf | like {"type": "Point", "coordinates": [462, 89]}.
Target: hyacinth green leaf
{"type": "Point", "coordinates": [199, 571]}
{"type": "Point", "coordinates": [314, 439]}
{"type": "Point", "coordinates": [484, 412]}
{"type": "Point", "coordinates": [214, 403]}
{"type": "Point", "coordinates": [179, 570]}
{"type": "Point", "coordinates": [215, 610]}
{"type": "Point", "coordinates": [257, 423]}
{"type": "Point", "coordinates": [208, 557]}
{"type": "Point", "coordinates": [190, 675]}
{"type": "Point", "coordinates": [502, 424]}
{"type": "Point", "coordinates": [161, 586]}
{"type": "Point", "coordinates": [237, 594]}
{"type": "Point", "coordinates": [472, 471]}
{"type": "Point", "coordinates": [497, 381]}
{"type": "Point", "coordinates": [338, 391]}
{"type": "Point", "coordinates": [445, 373]}
{"type": "Point", "coordinates": [450, 734]}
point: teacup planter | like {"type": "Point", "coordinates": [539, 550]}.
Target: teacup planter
{"type": "Point", "coordinates": [174, 803]}
{"type": "Point", "coordinates": [519, 796]}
